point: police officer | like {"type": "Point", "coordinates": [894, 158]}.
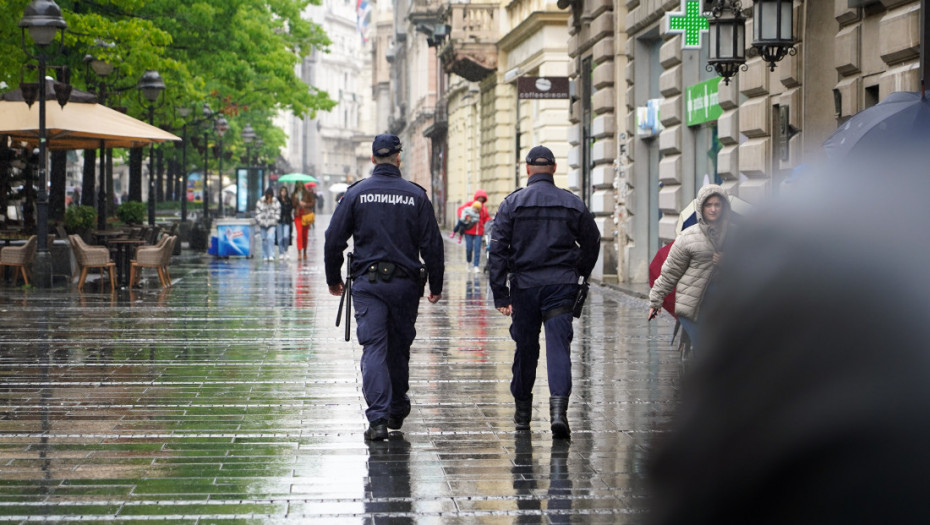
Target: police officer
{"type": "Point", "coordinates": [545, 239]}
{"type": "Point", "coordinates": [392, 224]}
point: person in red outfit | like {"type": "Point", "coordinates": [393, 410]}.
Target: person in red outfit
{"type": "Point", "coordinates": [474, 234]}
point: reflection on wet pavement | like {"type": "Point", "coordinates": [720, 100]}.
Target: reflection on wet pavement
{"type": "Point", "coordinates": [232, 396]}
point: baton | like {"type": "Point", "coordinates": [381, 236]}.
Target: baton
{"type": "Point", "coordinates": [346, 299]}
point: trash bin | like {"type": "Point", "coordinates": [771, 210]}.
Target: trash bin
{"type": "Point", "coordinates": [235, 237]}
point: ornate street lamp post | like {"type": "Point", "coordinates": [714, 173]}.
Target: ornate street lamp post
{"type": "Point", "coordinates": [185, 112]}
{"type": "Point", "coordinates": [43, 20]}
{"type": "Point", "coordinates": [102, 69]}
{"type": "Point", "coordinates": [220, 126]}
{"type": "Point", "coordinates": [152, 86]}
{"type": "Point", "coordinates": [207, 117]}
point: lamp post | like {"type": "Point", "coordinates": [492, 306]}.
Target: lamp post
{"type": "Point", "coordinates": [102, 69]}
{"type": "Point", "coordinates": [185, 112]}
{"type": "Point", "coordinates": [248, 137]}
{"type": "Point", "coordinates": [220, 126]}
{"type": "Point", "coordinates": [207, 117]}
{"type": "Point", "coordinates": [43, 20]}
{"type": "Point", "coordinates": [152, 86]}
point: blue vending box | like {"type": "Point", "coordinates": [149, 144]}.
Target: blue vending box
{"type": "Point", "coordinates": [234, 238]}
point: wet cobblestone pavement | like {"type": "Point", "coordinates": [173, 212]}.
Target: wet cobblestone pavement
{"type": "Point", "coordinates": [232, 398]}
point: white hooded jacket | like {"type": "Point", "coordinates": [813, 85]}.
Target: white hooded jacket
{"type": "Point", "coordinates": [690, 262]}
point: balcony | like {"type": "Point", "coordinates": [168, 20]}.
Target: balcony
{"type": "Point", "coordinates": [425, 12]}
{"type": "Point", "coordinates": [437, 130]}
{"type": "Point", "coordinates": [471, 49]}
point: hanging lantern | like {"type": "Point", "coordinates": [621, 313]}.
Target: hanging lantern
{"type": "Point", "coordinates": [773, 30]}
{"type": "Point", "coordinates": [727, 39]}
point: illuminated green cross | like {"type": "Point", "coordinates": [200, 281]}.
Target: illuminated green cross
{"type": "Point", "coordinates": [690, 22]}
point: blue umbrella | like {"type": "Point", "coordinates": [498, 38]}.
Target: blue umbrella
{"type": "Point", "coordinates": [902, 119]}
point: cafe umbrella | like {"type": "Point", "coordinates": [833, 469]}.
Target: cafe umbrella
{"type": "Point", "coordinates": [80, 124]}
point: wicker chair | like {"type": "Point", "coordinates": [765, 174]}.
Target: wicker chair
{"type": "Point", "coordinates": [19, 257]}
{"type": "Point", "coordinates": [158, 257]}
{"type": "Point", "coordinates": [92, 257]}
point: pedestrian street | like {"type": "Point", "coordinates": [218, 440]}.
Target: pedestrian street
{"type": "Point", "coordinates": [233, 397]}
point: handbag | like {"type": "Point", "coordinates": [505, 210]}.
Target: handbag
{"type": "Point", "coordinates": [307, 219]}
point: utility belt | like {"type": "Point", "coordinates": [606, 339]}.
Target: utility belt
{"type": "Point", "coordinates": [387, 271]}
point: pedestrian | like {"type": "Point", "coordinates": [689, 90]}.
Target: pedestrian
{"type": "Point", "coordinates": [267, 212]}
{"type": "Point", "coordinates": [692, 260]}
{"type": "Point", "coordinates": [303, 218]}
{"type": "Point", "coordinates": [473, 235]}
{"type": "Point", "coordinates": [393, 226]}
{"type": "Point", "coordinates": [285, 220]}
{"type": "Point", "coordinates": [545, 239]}
{"type": "Point", "coordinates": [467, 218]}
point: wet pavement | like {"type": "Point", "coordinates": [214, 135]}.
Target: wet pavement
{"type": "Point", "coordinates": [232, 398]}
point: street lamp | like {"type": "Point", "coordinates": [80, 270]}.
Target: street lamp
{"type": "Point", "coordinates": [773, 30]}
{"type": "Point", "coordinates": [152, 86]}
{"type": "Point", "coordinates": [102, 69]}
{"type": "Point", "coordinates": [43, 20]}
{"type": "Point", "coordinates": [185, 112]}
{"type": "Point", "coordinates": [727, 39]}
{"type": "Point", "coordinates": [207, 117]}
{"type": "Point", "coordinates": [220, 126]}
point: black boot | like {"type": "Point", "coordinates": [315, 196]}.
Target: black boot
{"type": "Point", "coordinates": [558, 405]}
{"type": "Point", "coordinates": [524, 413]}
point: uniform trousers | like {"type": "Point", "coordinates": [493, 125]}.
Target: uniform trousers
{"type": "Point", "coordinates": [385, 315]}
{"type": "Point", "coordinates": [529, 304]}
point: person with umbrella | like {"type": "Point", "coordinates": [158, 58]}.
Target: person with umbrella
{"type": "Point", "coordinates": [692, 260]}
{"type": "Point", "coordinates": [304, 205]}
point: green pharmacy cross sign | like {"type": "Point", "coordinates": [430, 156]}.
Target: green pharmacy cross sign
{"type": "Point", "coordinates": [688, 21]}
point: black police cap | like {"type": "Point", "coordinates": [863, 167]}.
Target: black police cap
{"type": "Point", "coordinates": [385, 145]}
{"type": "Point", "coordinates": [540, 156]}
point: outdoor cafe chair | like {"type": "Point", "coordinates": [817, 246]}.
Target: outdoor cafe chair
{"type": "Point", "coordinates": [158, 257]}
{"type": "Point", "coordinates": [92, 257]}
{"type": "Point", "coordinates": [19, 257]}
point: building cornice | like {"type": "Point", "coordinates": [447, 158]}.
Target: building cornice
{"type": "Point", "coordinates": [533, 23]}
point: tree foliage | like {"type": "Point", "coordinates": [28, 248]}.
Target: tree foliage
{"type": "Point", "coordinates": [240, 56]}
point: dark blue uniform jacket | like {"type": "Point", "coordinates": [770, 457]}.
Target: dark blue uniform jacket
{"type": "Point", "coordinates": [542, 235]}
{"type": "Point", "coordinates": [390, 220]}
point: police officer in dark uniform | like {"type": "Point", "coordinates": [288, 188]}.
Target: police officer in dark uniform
{"type": "Point", "coordinates": [545, 239]}
{"type": "Point", "coordinates": [392, 224]}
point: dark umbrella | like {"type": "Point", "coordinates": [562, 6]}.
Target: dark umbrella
{"type": "Point", "coordinates": [903, 118]}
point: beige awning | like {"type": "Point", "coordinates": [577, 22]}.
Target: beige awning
{"type": "Point", "coordinates": [77, 126]}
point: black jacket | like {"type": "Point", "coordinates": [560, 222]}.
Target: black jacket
{"type": "Point", "coordinates": [542, 235]}
{"type": "Point", "coordinates": [390, 220]}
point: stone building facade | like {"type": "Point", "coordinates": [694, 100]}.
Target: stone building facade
{"type": "Point", "coordinates": [850, 55]}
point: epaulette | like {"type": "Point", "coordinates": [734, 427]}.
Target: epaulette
{"type": "Point", "coordinates": [514, 191]}
{"type": "Point", "coordinates": [417, 185]}
{"type": "Point", "coordinates": [354, 183]}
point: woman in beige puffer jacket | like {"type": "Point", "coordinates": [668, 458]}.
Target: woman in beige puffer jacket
{"type": "Point", "coordinates": [692, 259]}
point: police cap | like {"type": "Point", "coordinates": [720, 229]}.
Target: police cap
{"type": "Point", "coordinates": [385, 145]}
{"type": "Point", "coordinates": [540, 156]}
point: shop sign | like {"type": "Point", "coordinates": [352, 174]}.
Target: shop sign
{"type": "Point", "coordinates": [542, 87]}
{"type": "Point", "coordinates": [702, 102]}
